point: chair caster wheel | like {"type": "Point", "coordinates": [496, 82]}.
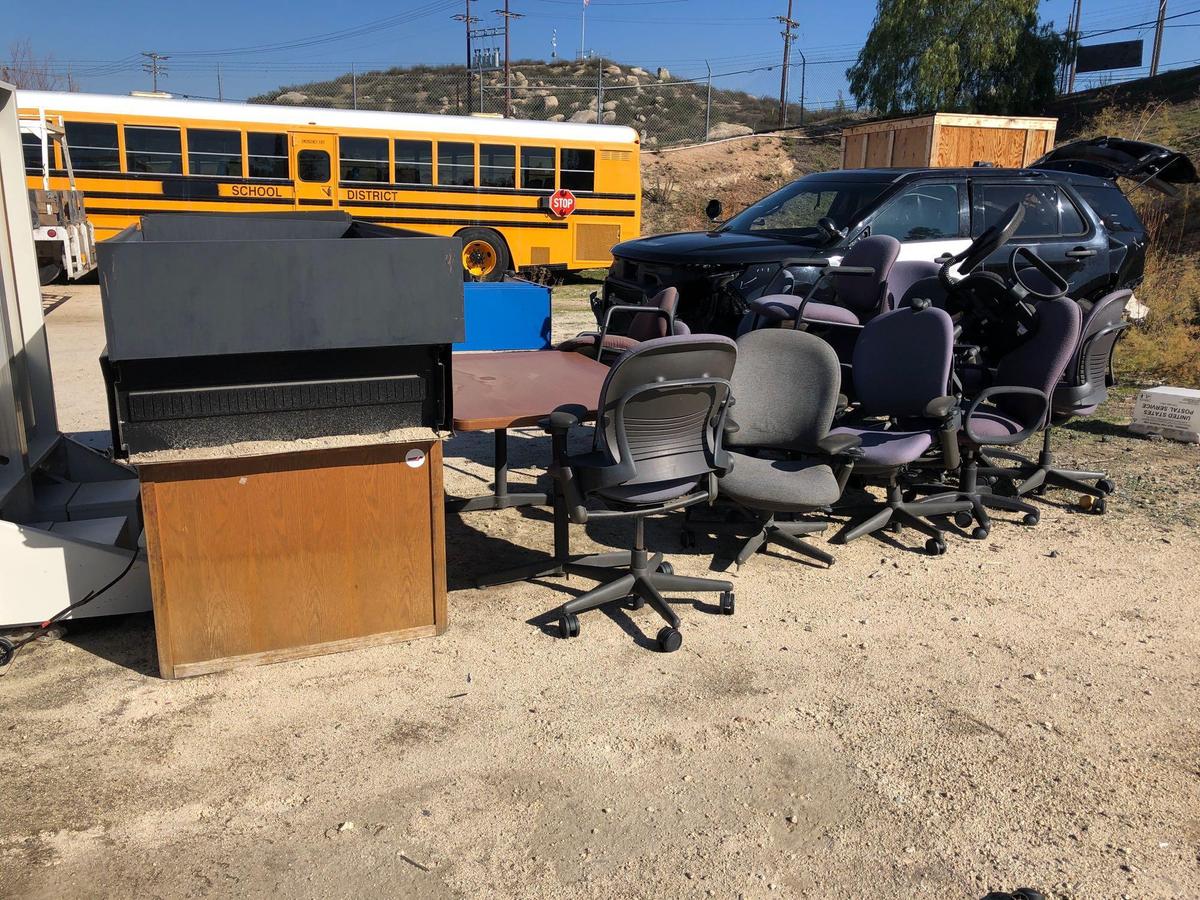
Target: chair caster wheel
{"type": "Point", "coordinates": [636, 602]}
{"type": "Point", "coordinates": [7, 652]}
{"type": "Point", "coordinates": [1107, 485]}
{"type": "Point", "coordinates": [1031, 519]}
{"type": "Point", "coordinates": [963, 519]}
{"type": "Point", "coordinates": [1099, 506]}
{"type": "Point", "coordinates": [669, 640]}
{"type": "Point", "coordinates": [687, 539]}
{"type": "Point", "coordinates": [935, 546]}
{"type": "Point", "coordinates": [727, 603]}
{"type": "Point", "coordinates": [909, 496]}
{"type": "Point", "coordinates": [665, 568]}
{"type": "Point", "coordinates": [568, 625]}
{"type": "Point", "coordinates": [893, 526]}
{"type": "Point", "coordinates": [979, 532]}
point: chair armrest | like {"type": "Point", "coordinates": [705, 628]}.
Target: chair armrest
{"type": "Point", "coordinates": [563, 419]}
{"type": "Point", "coordinates": [634, 310]}
{"type": "Point", "coordinates": [841, 445]}
{"type": "Point", "coordinates": [940, 407]}
{"type": "Point", "coordinates": [1000, 390]}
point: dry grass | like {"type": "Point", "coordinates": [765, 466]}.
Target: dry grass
{"type": "Point", "coordinates": [1166, 346]}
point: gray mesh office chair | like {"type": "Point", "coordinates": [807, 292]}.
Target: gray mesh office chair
{"type": "Point", "coordinates": [657, 448]}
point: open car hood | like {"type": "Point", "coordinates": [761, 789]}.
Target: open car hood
{"type": "Point", "coordinates": [1109, 157]}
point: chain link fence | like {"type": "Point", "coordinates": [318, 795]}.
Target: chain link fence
{"type": "Point", "coordinates": [666, 110]}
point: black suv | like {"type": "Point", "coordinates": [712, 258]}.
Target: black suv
{"type": "Point", "coordinates": [1076, 218]}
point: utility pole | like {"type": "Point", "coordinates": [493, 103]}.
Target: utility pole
{"type": "Point", "coordinates": [1158, 30]}
{"type": "Point", "coordinates": [220, 87]}
{"type": "Point", "coordinates": [1073, 45]}
{"type": "Point", "coordinates": [508, 17]}
{"type": "Point", "coordinates": [583, 31]}
{"type": "Point", "coordinates": [155, 66]}
{"type": "Point", "coordinates": [708, 102]}
{"type": "Point", "coordinates": [788, 24]}
{"type": "Point", "coordinates": [468, 20]}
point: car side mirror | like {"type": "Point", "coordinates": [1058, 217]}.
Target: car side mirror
{"type": "Point", "coordinates": [713, 209]}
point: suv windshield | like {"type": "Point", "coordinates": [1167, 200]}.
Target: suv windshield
{"type": "Point", "coordinates": [795, 208]}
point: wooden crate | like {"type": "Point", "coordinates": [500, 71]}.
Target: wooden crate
{"type": "Point", "coordinates": [947, 139]}
{"type": "Point", "coordinates": [270, 558]}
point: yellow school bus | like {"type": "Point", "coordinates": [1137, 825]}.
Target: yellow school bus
{"type": "Point", "coordinates": [520, 194]}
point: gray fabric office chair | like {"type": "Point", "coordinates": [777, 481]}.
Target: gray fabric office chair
{"type": "Point", "coordinates": [657, 448]}
{"type": "Point", "coordinates": [785, 391]}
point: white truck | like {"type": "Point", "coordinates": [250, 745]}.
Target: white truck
{"type": "Point", "coordinates": [65, 239]}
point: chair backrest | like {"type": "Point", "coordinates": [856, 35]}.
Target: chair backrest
{"type": "Point", "coordinates": [859, 292]}
{"type": "Point", "coordinates": [1085, 380]}
{"type": "Point", "coordinates": [1040, 361]}
{"type": "Point", "coordinates": [902, 361]}
{"type": "Point", "coordinates": [663, 398]}
{"type": "Point", "coordinates": [914, 279]}
{"type": "Point", "coordinates": [645, 328]}
{"type": "Point", "coordinates": [785, 389]}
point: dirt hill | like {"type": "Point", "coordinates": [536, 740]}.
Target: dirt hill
{"type": "Point", "coordinates": [665, 109]}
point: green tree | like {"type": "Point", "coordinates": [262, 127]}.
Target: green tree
{"type": "Point", "coordinates": [988, 56]}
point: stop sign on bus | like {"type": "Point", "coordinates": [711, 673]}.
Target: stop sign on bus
{"type": "Point", "coordinates": [562, 203]}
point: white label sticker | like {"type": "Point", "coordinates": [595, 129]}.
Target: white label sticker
{"type": "Point", "coordinates": [415, 458]}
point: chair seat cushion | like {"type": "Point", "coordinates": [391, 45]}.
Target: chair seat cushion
{"type": "Point", "coordinates": [780, 485]}
{"type": "Point", "coordinates": [829, 314]}
{"type": "Point", "coordinates": [586, 343]}
{"type": "Point", "coordinates": [987, 421]}
{"type": "Point", "coordinates": [888, 449]}
{"type": "Point", "coordinates": [649, 494]}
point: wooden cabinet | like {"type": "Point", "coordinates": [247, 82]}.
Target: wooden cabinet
{"type": "Point", "coordinates": [270, 558]}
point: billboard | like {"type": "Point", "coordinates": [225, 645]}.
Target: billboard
{"type": "Point", "coordinates": [1101, 57]}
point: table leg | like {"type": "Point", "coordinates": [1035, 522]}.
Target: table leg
{"type": "Point", "coordinates": [562, 539]}
{"type": "Point", "coordinates": [500, 498]}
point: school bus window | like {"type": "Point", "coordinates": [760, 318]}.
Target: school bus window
{"type": "Point", "coordinates": [578, 169]}
{"type": "Point", "coordinates": [93, 146]}
{"type": "Point", "coordinates": [364, 159]}
{"type": "Point", "coordinates": [497, 166]}
{"type": "Point", "coordinates": [414, 162]}
{"type": "Point", "coordinates": [266, 155]}
{"type": "Point", "coordinates": [537, 168]}
{"type": "Point", "coordinates": [312, 165]}
{"type": "Point", "coordinates": [154, 150]}
{"type": "Point", "coordinates": [31, 144]}
{"type": "Point", "coordinates": [456, 164]}
{"type": "Point", "coordinates": [214, 152]}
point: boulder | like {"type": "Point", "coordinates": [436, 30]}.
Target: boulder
{"type": "Point", "coordinates": [584, 115]}
{"type": "Point", "coordinates": [550, 102]}
{"type": "Point", "coordinates": [631, 80]}
{"type": "Point", "coordinates": [557, 117]}
{"type": "Point", "coordinates": [728, 130]}
{"type": "Point", "coordinates": [609, 117]}
{"type": "Point", "coordinates": [638, 70]}
{"type": "Point", "coordinates": [610, 104]}
{"type": "Point", "coordinates": [292, 97]}
{"type": "Point", "coordinates": [663, 74]}
{"type": "Point", "coordinates": [613, 70]}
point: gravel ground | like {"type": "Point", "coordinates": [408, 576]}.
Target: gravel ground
{"type": "Point", "coordinates": [1019, 711]}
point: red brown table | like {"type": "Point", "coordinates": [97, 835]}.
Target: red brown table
{"type": "Point", "coordinates": [496, 391]}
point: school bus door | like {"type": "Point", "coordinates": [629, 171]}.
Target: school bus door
{"type": "Point", "coordinates": [315, 162]}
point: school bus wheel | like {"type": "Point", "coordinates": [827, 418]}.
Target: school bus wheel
{"type": "Point", "coordinates": [484, 254]}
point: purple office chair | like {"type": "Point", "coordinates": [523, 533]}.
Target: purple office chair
{"type": "Point", "coordinates": [1084, 386]}
{"type": "Point", "coordinates": [1017, 404]}
{"type": "Point", "coordinates": [859, 297]}
{"type": "Point", "coordinates": [656, 448]}
{"type": "Point", "coordinates": [654, 320]}
{"type": "Point", "coordinates": [906, 420]}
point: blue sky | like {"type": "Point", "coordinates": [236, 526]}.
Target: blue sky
{"type": "Point", "coordinates": [100, 41]}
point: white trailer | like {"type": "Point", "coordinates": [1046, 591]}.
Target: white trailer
{"type": "Point", "coordinates": [63, 235]}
